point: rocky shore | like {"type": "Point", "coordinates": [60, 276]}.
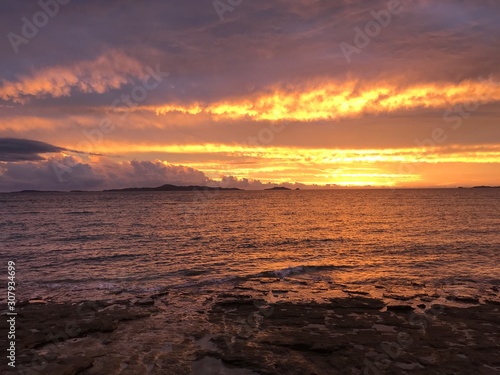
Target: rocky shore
{"type": "Point", "coordinates": [239, 333]}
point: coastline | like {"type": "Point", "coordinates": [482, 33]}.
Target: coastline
{"type": "Point", "coordinates": [239, 333]}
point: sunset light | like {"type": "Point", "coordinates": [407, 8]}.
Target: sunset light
{"type": "Point", "coordinates": [249, 187]}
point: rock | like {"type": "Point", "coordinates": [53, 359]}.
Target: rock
{"type": "Point", "coordinates": [464, 299]}
{"type": "Point", "coordinates": [145, 302]}
{"type": "Point", "coordinates": [397, 297]}
{"type": "Point", "coordinates": [161, 293]}
{"type": "Point", "coordinates": [356, 292]}
{"type": "Point", "coordinates": [401, 308]}
{"type": "Point", "coordinates": [357, 303]}
{"type": "Point", "coordinates": [269, 280]}
{"type": "Point", "coordinates": [68, 366]}
{"type": "Point", "coordinates": [295, 338]}
{"type": "Point", "coordinates": [37, 301]}
{"type": "Point", "coordinates": [492, 301]}
{"type": "Point", "coordinates": [427, 299]}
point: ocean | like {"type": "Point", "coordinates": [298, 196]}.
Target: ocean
{"type": "Point", "coordinates": [93, 245]}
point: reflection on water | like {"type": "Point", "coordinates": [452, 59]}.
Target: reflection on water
{"type": "Point", "coordinates": [74, 246]}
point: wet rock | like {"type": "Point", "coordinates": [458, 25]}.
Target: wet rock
{"type": "Point", "coordinates": [161, 293]}
{"type": "Point", "coordinates": [400, 308]}
{"type": "Point", "coordinates": [427, 299]}
{"type": "Point", "coordinates": [492, 301]}
{"type": "Point", "coordinates": [145, 302]}
{"type": "Point", "coordinates": [63, 335]}
{"type": "Point", "coordinates": [37, 301]}
{"type": "Point", "coordinates": [397, 297]}
{"type": "Point", "coordinates": [235, 296]}
{"type": "Point", "coordinates": [235, 301]}
{"type": "Point", "coordinates": [357, 303]}
{"type": "Point", "coordinates": [269, 280]}
{"type": "Point", "coordinates": [360, 292]}
{"type": "Point", "coordinates": [68, 366]}
{"type": "Point", "coordinates": [251, 336]}
{"type": "Point", "coordinates": [293, 341]}
{"type": "Point", "coordinates": [464, 299]}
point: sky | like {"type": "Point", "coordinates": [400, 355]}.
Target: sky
{"type": "Point", "coordinates": [249, 93]}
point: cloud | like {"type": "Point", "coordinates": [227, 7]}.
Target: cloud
{"type": "Point", "coordinates": [269, 167]}
{"type": "Point", "coordinates": [17, 150]}
{"type": "Point", "coordinates": [267, 61]}
{"type": "Point", "coordinates": [109, 71]}
{"type": "Point", "coordinates": [260, 44]}
{"type": "Point", "coordinates": [64, 173]}
{"type": "Point", "coordinates": [13, 149]}
{"type": "Point", "coordinates": [333, 100]}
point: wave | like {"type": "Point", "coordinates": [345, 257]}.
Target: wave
{"type": "Point", "coordinates": [103, 258]}
{"type": "Point", "coordinates": [81, 238]}
{"type": "Point", "coordinates": [308, 240]}
{"type": "Point", "coordinates": [298, 270]}
{"type": "Point", "coordinates": [278, 273]}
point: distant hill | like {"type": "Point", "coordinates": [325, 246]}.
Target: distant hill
{"type": "Point", "coordinates": [36, 191]}
{"type": "Point", "coordinates": [279, 188]}
{"type": "Point", "coordinates": [174, 188]}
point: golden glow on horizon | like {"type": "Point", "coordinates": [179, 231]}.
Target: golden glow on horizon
{"type": "Point", "coordinates": [344, 167]}
{"type": "Point", "coordinates": [452, 154]}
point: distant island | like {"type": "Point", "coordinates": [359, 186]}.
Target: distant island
{"type": "Point", "coordinates": [168, 187]}
{"type": "Point", "coordinates": [278, 188]}
{"type": "Point", "coordinates": [36, 191]}
{"type": "Point", "coordinates": [480, 187]}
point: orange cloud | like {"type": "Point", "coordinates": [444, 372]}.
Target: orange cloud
{"type": "Point", "coordinates": [321, 156]}
{"type": "Point", "coordinates": [108, 71]}
{"type": "Point", "coordinates": [331, 101]}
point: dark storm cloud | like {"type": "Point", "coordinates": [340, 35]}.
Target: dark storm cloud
{"type": "Point", "coordinates": [13, 149]}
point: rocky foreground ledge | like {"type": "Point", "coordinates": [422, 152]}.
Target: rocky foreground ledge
{"type": "Point", "coordinates": [240, 334]}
